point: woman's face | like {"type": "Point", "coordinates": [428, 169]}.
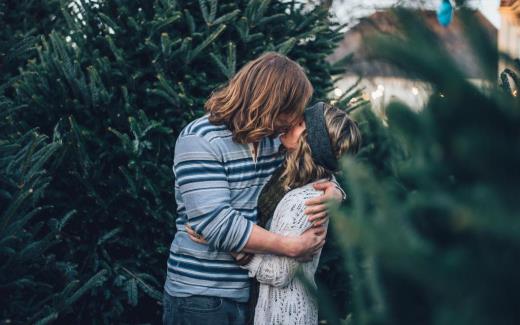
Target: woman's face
{"type": "Point", "coordinates": [290, 138]}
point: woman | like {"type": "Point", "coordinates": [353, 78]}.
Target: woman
{"type": "Point", "coordinates": [313, 148]}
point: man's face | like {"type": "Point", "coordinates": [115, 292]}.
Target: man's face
{"type": "Point", "coordinates": [291, 138]}
{"type": "Point", "coordinates": [285, 123]}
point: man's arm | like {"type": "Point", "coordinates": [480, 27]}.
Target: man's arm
{"type": "Point", "coordinates": [263, 241]}
{"type": "Point", "coordinates": [202, 183]}
{"type": "Point", "coordinates": [278, 271]}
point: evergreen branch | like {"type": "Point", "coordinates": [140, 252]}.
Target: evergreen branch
{"type": "Point", "coordinates": [165, 85]}
{"type": "Point", "coordinates": [9, 213]}
{"type": "Point", "coordinates": [206, 42]}
{"type": "Point", "coordinates": [108, 22]}
{"type": "Point", "coordinates": [190, 21]}
{"type": "Point", "coordinates": [47, 319]}
{"type": "Point", "coordinates": [286, 46]}
{"type": "Point", "coordinates": [42, 156]}
{"type": "Point", "coordinates": [231, 58]}
{"type": "Point", "coordinates": [118, 53]}
{"type": "Point", "coordinates": [212, 11]}
{"type": "Point", "coordinates": [84, 159]}
{"type": "Point", "coordinates": [29, 155]}
{"type": "Point", "coordinates": [130, 180]}
{"type": "Point", "coordinates": [165, 95]}
{"type": "Point", "coordinates": [18, 225]}
{"type": "Point", "coordinates": [227, 17]}
{"type": "Point", "coordinates": [146, 288]}
{"type": "Point", "coordinates": [220, 65]}
{"type": "Point", "coordinates": [204, 11]}
{"type": "Point", "coordinates": [157, 28]}
{"type": "Point", "coordinates": [243, 29]}
{"type": "Point", "coordinates": [109, 235]}
{"type": "Point", "coordinates": [169, 4]}
{"type": "Point", "coordinates": [131, 289]}
{"type": "Point", "coordinates": [254, 37]}
{"type": "Point", "coordinates": [95, 281]}
{"type": "Point", "coordinates": [271, 19]}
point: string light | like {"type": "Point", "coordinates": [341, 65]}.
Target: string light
{"type": "Point", "coordinates": [379, 92]}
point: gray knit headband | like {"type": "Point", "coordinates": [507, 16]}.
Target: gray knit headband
{"type": "Point", "coordinates": [318, 137]}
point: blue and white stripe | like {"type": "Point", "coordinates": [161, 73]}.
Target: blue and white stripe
{"type": "Point", "coordinates": [217, 184]}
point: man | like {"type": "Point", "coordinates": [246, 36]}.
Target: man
{"type": "Point", "coordinates": [221, 163]}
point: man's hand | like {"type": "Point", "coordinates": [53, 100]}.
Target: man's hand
{"type": "Point", "coordinates": [317, 210]}
{"type": "Point", "coordinates": [242, 258]}
{"type": "Point", "coordinates": [194, 236]}
{"type": "Point", "coordinates": [307, 244]}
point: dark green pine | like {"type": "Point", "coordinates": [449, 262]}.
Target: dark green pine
{"type": "Point", "coordinates": [111, 84]}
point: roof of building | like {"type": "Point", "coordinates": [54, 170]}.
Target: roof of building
{"type": "Point", "coordinates": [507, 3]}
{"type": "Point", "coordinates": [384, 21]}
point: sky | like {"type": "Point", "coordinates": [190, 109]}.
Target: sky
{"type": "Point", "coordinates": [345, 8]}
{"type": "Point", "coordinates": [490, 9]}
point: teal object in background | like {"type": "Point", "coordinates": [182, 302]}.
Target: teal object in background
{"type": "Point", "coordinates": [445, 13]}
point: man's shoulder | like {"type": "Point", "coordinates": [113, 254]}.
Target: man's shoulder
{"type": "Point", "coordinates": [203, 128]}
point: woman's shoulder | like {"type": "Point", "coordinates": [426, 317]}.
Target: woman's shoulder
{"type": "Point", "coordinates": [300, 194]}
{"type": "Point", "coordinates": [291, 209]}
{"type": "Point", "coordinates": [307, 189]}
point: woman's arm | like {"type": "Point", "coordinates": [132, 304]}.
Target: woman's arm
{"type": "Point", "coordinates": [277, 271]}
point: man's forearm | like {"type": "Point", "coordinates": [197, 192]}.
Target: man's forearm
{"type": "Point", "coordinates": [263, 241]}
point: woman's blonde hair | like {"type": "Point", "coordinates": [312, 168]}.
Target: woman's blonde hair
{"type": "Point", "coordinates": [250, 104]}
{"type": "Point", "coordinates": [345, 137]}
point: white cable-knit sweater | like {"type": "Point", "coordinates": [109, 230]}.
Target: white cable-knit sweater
{"type": "Point", "coordinates": [283, 298]}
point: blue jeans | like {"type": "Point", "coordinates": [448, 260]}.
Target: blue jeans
{"type": "Point", "coordinates": [203, 310]}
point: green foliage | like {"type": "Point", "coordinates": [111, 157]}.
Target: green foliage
{"type": "Point", "coordinates": [22, 22]}
{"type": "Point", "coordinates": [36, 283]}
{"type": "Point", "coordinates": [109, 90]}
{"type": "Point", "coordinates": [436, 240]}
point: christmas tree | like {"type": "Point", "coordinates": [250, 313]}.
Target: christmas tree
{"type": "Point", "coordinates": [23, 22]}
{"type": "Point", "coordinates": [110, 90]}
{"type": "Point", "coordinates": [36, 284]}
{"type": "Point", "coordinates": [437, 240]}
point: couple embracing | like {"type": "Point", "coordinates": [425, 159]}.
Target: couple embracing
{"type": "Point", "coordinates": [252, 178]}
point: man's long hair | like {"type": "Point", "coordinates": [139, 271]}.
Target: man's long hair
{"type": "Point", "coordinates": [250, 104]}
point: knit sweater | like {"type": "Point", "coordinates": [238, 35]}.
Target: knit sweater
{"type": "Point", "coordinates": [283, 298]}
{"type": "Point", "coordinates": [271, 194]}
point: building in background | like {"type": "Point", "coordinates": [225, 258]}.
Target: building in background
{"type": "Point", "coordinates": [509, 33]}
{"type": "Point", "coordinates": [382, 82]}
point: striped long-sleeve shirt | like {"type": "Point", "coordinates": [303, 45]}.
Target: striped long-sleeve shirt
{"type": "Point", "coordinates": [217, 184]}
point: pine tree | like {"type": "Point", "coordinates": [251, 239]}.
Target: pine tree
{"type": "Point", "coordinates": [23, 22]}
{"type": "Point", "coordinates": [36, 284]}
{"type": "Point", "coordinates": [30, 275]}
{"type": "Point", "coordinates": [114, 88]}
{"type": "Point", "coordinates": [437, 240]}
